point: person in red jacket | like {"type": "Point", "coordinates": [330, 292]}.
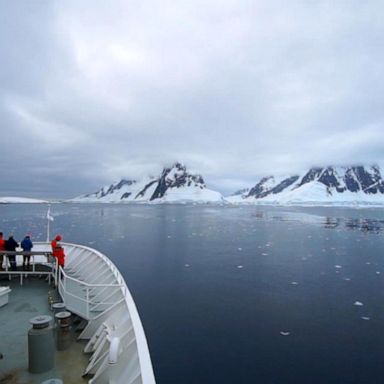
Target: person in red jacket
{"type": "Point", "coordinates": [58, 250]}
{"type": "Point", "coordinates": [2, 248]}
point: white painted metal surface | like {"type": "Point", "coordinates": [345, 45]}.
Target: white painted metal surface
{"type": "Point", "coordinates": [4, 292]}
{"type": "Point", "coordinates": [92, 287]}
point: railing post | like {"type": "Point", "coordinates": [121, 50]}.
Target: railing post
{"type": "Point", "coordinates": [57, 272]}
{"type": "Point", "coordinates": [65, 284]}
{"type": "Point", "coordinates": [87, 299]}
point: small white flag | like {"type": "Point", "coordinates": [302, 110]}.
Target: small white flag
{"type": "Point", "coordinates": [49, 217]}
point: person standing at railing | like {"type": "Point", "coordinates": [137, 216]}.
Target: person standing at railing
{"type": "Point", "coordinates": [58, 251]}
{"type": "Point", "coordinates": [2, 248]}
{"type": "Point", "coordinates": [26, 246]}
{"type": "Point", "coordinates": [10, 245]}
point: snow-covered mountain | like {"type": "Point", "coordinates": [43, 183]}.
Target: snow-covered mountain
{"type": "Point", "coordinates": [241, 192]}
{"type": "Point", "coordinates": [320, 185]}
{"type": "Point", "coordinates": [174, 184]}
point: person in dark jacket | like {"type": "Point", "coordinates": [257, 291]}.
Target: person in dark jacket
{"type": "Point", "coordinates": [10, 245]}
{"type": "Point", "coordinates": [26, 246]}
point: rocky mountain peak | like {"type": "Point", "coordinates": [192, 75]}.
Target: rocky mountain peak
{"type": "Point", "coordinates": [174, 183]}
{"type": "Point", "coordinates": [356, 178]}
{"type": "Point", "coordinates": [325, 184]}
{"type": "Point", "coordinates": [176, 177]}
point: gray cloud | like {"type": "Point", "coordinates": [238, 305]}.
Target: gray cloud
{"type": "Point", "coordinates": [91, 92]}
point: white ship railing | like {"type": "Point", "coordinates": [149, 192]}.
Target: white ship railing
{"type": "Point", "coordinates": [42, 258]}
{"type": "Point", "coordinates": [92, 286]}
{"type": "Point", "coordinates": [77, 295]}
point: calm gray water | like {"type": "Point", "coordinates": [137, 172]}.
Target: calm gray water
{"type": "Point", "coordinates": [217, 286]}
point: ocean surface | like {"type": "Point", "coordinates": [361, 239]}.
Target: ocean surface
{"type": "Point", "coordinates": [241, 294]}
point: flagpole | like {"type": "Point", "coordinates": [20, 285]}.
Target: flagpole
{"type": "Point", "coordinates": [48, 223]}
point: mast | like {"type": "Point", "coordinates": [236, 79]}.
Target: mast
{"type": "Point", "coordinates": [49, 219]}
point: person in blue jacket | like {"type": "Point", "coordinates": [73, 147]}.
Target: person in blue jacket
{"type": "Point", "coordinates": [27, 246]}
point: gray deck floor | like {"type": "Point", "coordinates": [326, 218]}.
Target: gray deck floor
{"type": "Point", "coordinates": [26, 302]}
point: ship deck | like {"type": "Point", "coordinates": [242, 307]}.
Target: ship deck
{"type": "Point", "coordinates": [25, 302]}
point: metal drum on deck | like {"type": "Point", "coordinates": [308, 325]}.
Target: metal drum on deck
{"type": "Point", "coordinates": [58, 307]}
{"type": "Point", "coordinates": [41, 348]}
{"type": "Point", "coordinates": [63, 330]}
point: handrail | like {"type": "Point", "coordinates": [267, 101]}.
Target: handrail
{"type": "Point", "coordinates": [142, 348]}
{"type": "Point", "coordinates": [76, 297]}
{"type": "Point", "coordinates": [81, 282]}
{"type": "Point", "coordinates": [26, 253]}
{"type": "Point", "coordinates": [24, 273]}
{"type": "Point", "coordinates": [87, 301]}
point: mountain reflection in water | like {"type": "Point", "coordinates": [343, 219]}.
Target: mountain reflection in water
{"type": "Point", "coordinates": [359, 224]}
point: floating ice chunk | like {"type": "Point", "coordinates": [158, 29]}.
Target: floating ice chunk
{"type": "Point", "coordinates": [265, 254]}
{"type": "Point", "coordinates": [378, 272]}
{"type": "Point", "coordinates": [285, 333]}
{"type": "Point", "coordinates": [239, 249]}
{"type": "Point", "coordinates": [186, 265]}
{"type": "Point", "coordinates": [169, 236]}
{"type": "Point", "coordinates": [239, 266]}
{"type": "Point", "coordinates": [338, 266]}
{"type": "Point", "coordinates": [358, 303]}
{"type": "Point", "coordinates": [365, 318]}
{"type": "Point", "coordinates": [294, 283]}
{"type": "Point", "coordinates": [368, 263]}
{"type": "Point", "coordinates": [346, 279]}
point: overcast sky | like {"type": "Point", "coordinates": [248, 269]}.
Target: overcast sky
{"type": "Point", "coordinates": [93, 91]}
